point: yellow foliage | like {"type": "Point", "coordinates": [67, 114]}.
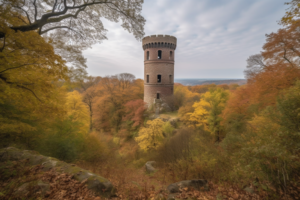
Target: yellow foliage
{"type": "Point", "coordinates": [151, 136]}
{"type": "Point", "coordinates": [263, 126]}
{"type": "Point", "coordinates": [207, 111]}
{"type": "Point", "coordinates": [78, 110]}
{"type": "Point", "coordinates": [30, 74]}
{"type": "Point", "coordinates": [201, 112]}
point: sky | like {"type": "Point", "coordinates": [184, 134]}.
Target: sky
{"type": "Point", "coordinates": [214, 37]}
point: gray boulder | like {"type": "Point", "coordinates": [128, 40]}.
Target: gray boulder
{"type": "Point", "coordinates": [164, 107]}
{"type": "Point", "coordinates": [98, 184]}
{"type": "Point", "coordinates": [149, 166]}
{"type": "Point", "coordinates": [196, 184]}
{"type": "Point", "coordinates": [33, 186]}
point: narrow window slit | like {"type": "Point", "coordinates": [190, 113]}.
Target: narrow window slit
{"type": "Point", "coordinates": [159, 54]}
{"type": "Point", "coordinates": [159, 78]}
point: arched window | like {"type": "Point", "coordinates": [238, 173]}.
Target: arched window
{"type": "Point", "coordinates": [159, 78]}
{"type": "Point", "coordinates": [148, 56]}
{"type": "Point", "coordinates": [170, 78]}
{"type": "Point", "coordinates": [157, 95]}
{"type": "Point", "coordinates": [147, 78]}
{"type": "Point", "coordinates": [171, 54]}
{"type": "Point", "coordinates": [159, 54]}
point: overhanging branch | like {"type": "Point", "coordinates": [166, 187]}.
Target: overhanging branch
{"type": "Point", "coordinates": [48, 17]}
{"type": "Point", "coordinates": [20, 86]}
{"type": "Point", "coordinates": [57, 27]}
{"type": "Point", "coordinates": [17, 67]}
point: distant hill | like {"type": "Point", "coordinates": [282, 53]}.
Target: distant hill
{"type": "Point", "coordinates": [210, 81]}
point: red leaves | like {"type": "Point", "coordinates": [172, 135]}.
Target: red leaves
{"type": "Point", "coordinates": [134, 111]}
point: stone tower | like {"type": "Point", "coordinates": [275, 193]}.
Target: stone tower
{"type": "Point", "coordinates": [159, 54]}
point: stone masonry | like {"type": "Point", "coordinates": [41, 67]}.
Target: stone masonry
{"type": "Point", "coordinates": [159, 54]}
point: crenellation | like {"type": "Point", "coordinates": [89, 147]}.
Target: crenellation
{"type": "Point", "coordinates": [159, 38]}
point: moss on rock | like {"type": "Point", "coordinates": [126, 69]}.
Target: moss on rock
{"type": "Point", "coordinates": [94, 182]}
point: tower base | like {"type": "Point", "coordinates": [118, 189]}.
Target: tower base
{"type": "Point", "coordinates": [159, 96]}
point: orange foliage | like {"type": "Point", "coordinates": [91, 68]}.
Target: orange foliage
{"type": "Point", "coordinates": [280, 72]}
{"type": "Point", "coordinates": [201, 88]}
{"type": "Point", "coordinates": [238, 103]}
{"type": "Point", "coordinates": [134, 112]}
{"type": "Point", "coordinates": [114, 92]}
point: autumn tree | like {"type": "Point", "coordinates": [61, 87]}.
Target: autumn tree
{"type": "Point", "coordinates": [77, 110]}
{"type": "Point", "coordinates": [151, 136]}
{"type": "Point", "coordinates": [90, 94]}
{"type": "Point", "coordinates": [184, 99]}
{"type": "Point", "coordinates": [135, 112]}
{"type": "Point", "coordinates": [255, 65]}
{"type": "Point", "coordinates": [68, 26]}
{"type": "Point", "coordinates": [292, 15]}
{"type": "Point", "coordinates": [85, 83]}
{"type": "Point", "coordinates": [71, 26]}
{"type": "Point", "coordinates": [30, 77]}
{"type": "Point", "coordinates": [201, 89]}
{"type": "Point", "coordinates": [208, 110]}
{"type": "Point", "coordinates": [280, 69]}
{"type": "Point", "coordinates": [115, 91]}
{"type": "Point", "coordinates": [289, 107]}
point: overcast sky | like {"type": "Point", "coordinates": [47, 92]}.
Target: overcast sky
{"type": "Point", "coordinates": [214, 37]}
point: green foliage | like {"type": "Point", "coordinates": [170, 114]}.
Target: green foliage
{"type": "Point", "coordinates": [63, 141]}
{"type": "Point", "coordinates": [288, 105]}
{"type": "Point", "coordinates": [167, 129]}
{"type": "Point", "coordinates": [93, 150]}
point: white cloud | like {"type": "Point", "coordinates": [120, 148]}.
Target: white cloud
{"type": "Point", "coordinates": [214, 37]}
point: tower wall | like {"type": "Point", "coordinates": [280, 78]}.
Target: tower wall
{"type": "Point", "coordinates": [155, 66]}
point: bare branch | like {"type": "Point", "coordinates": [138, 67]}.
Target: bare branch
{"type": "Point", "coordinates": [24, 12]}
{"type": "Point", "coordinates": [3, 45]}
{"type": "Point", "coordinates": [63, 9]}
{"type": "Point", "coordinates": [20, 86]}
{"type": "Point", "coordinates": [58, 19]}
{"type": "Point", "coordinates": [35, 10]}
{"type": "Point", "coordinates": [17, 67]}
{"type": "Point", "coordinates": [89, 4]}
{"type": "Point", "coordinates": [57, 27]}
{"type": "Point", "coordinates": [284, 56]}
{"type": "Point", "coordinates": [53, 9]}
{"type": "Point", "coordinates": [120, 11]}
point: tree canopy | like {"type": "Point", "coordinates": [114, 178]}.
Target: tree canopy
{"type": "Point", "coordinates": [70, 25]}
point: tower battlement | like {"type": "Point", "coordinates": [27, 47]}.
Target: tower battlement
{"type": "Point", "coordinates": [159, 41]}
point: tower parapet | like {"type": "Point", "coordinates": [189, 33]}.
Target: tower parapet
{"type": "Point", "coordinates": [159, 54]}
{"type": "Point", "coordinates": [159, 41]}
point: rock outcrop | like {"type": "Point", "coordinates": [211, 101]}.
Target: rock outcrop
{"type": "Point", "coordinates": [179, 186]}
{"type": "Point", "coordinates": [99, 185]}
{"type": "Point", "coordinates": [149, 166]}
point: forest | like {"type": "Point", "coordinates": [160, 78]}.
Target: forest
{"type": "Point", "coordinates": [244, 140]}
